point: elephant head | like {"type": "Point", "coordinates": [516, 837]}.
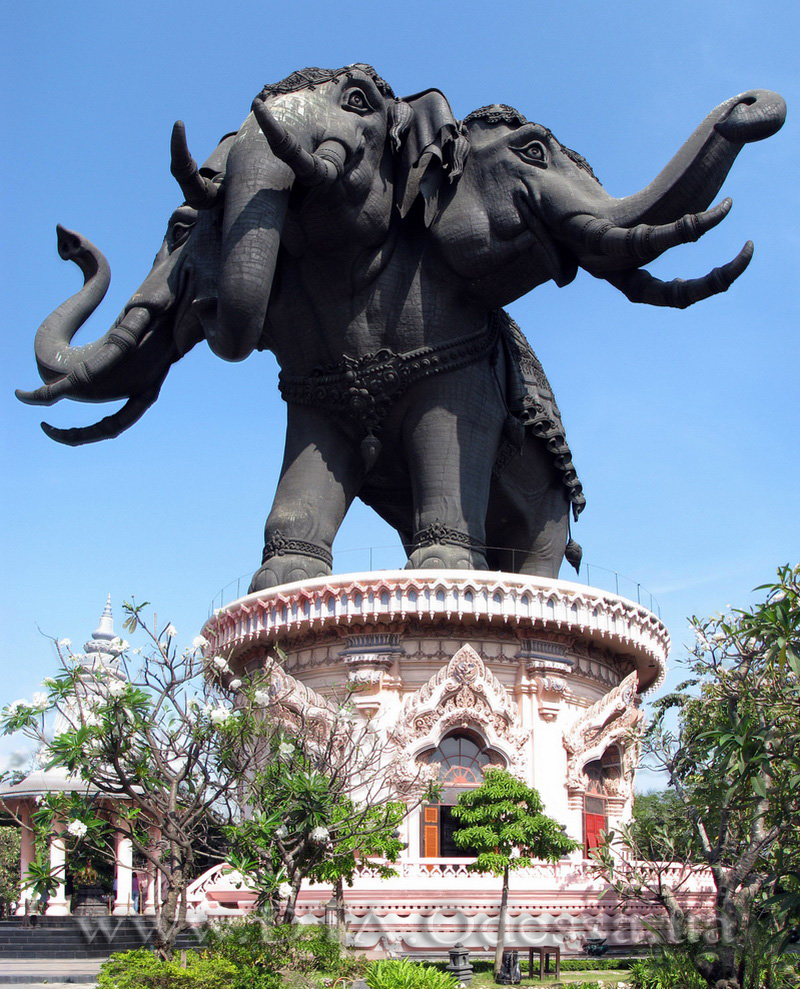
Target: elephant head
{"type": "Point", "coordinates": [313, 170]}
{"type": "Point", "coordinates": [527, 209]}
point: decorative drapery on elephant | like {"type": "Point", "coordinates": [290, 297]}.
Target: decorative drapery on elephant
{"type": "Point", "coordinates": [370, 243]}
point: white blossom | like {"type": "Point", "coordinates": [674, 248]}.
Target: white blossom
{"type": "Point", "coordinates": [220, 715]}
{"type": "Point", "coordinates": [261, 697]}
{"type": "Point", "coordinates": [91, 719]}
{"type": "Point", "coordinates": [65, 643]}
{"type": "Point", "coordinates": [221, 663]}
{"type": "Point", "coordinates": [719, 636]}
{"type": "Point", "coordinates": [286, 750]}
{"type": "Point", "coordinates": [170, 631]}
{"type": "Point", "coordinates": [285, 891]}
{"type": "Point", "coordinates": [235, 684]}
{"type": "Point", "coordinates": [44, 755]}
{"type": "Point", "coordinates": [199, 642]}
{"type": "Point", "coordinates": [281, 831]}
{"type": "Point", "coordinates": [49, 682]}
{"type": "Point", "coordinates": [40, 701]}
{"type": "Point", "coordinates": [77, 828]}
{"type": "Point", "coordinates": [320, 834]}
{"type": "Point", "coordinates": [116, 688]}
{"type": "Point", "coordinates": [14, 706]}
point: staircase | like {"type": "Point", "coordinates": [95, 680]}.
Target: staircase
{"type": "Point", "coordinates": [79, 937]}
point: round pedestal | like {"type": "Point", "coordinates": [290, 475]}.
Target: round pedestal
{"type": "Point", "coordinates": [541, 676]}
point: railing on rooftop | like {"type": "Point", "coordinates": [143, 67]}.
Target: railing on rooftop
{"type": "Point", "coordinates": [371, 558]}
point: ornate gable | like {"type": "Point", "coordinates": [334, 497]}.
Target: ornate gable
{"type": "Point", "coordinates": [463, 694]}
{"type": "Point", "coordinates": [614, 719]}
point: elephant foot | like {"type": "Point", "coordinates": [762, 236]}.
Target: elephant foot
{"type": "Point", "coordinates": [286, 570]}
{"type": "Point", "coordinates": [286, 560]}
{"type": "Point", "coordinates": [438, 547]}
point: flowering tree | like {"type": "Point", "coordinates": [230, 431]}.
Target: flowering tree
{"type": "Point", "coordinates": [503, 823]}
{"type": "Point", "coordinates": [733, 766]}
{"type": "Point", "coordinates": [318, 811]}
{"type": "Point", "coordinates": [155, 735]}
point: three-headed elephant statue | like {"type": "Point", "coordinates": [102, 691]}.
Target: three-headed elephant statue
{"type": "Point", "coordinates": [370, 243]}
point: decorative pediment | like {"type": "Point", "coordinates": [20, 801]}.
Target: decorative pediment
{"type": "Point", "coordinates": [614, 719]}
{"type": "Point", "coordinates": [463, 694]}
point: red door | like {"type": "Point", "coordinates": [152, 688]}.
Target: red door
{"type": "Point", "coordinates": [594, 826]}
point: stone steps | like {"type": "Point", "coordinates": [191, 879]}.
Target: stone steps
{"type": "Point", "coordinates": [78, 937]}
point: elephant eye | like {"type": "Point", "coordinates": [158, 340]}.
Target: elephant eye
{"type": "Point", "coordinates": [356, 101]}
{"type": "Point", "coordinates": [535, 153]}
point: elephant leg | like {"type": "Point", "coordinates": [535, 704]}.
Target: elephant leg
{"type": "Point", "coordinates": [321, 474]}
{"type": "Point", "coordinates": [451, 430]}
{"type": "Point", "coordinates": [528, 515]}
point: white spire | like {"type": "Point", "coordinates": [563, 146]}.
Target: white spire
{"type": "Point", "coordinates": [104, 646]}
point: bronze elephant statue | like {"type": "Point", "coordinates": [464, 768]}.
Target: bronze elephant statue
{"type": "Point", "coordinates": [370, 243]}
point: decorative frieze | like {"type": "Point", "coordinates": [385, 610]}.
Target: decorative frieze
{"type": "Point", "coordinates": [468, 600]}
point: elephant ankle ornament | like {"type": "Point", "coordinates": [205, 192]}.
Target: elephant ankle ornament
{"type": "Point", "coordinates": [371, 242]}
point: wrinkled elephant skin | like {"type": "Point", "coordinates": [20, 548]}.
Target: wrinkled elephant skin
{"type": "Point", "coordinates": [370, 243]}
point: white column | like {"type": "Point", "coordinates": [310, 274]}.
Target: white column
{"type": "Point", "coordinates": [153, 878]}
{"type": "Point", "coordinates": [123, 873]}
{"type": "Point", "coordinates": [27, 853]}
{"type": "Point", "coordinates": [57, 905]}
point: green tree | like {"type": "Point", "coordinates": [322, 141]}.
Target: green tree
{"type": "Point", "coordinates": [9, 865]}
{"type": "Point", "coordinates": [157, 733]}
{"type": "Point", "coordinates": [505, 825]}
{"type": "Point", "coordinates": [317, 810]}
{"type": "Point", "coordinates": [733, 766]}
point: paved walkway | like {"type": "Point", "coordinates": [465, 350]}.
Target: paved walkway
{"type": "Point", "coordinates": [25, 973]}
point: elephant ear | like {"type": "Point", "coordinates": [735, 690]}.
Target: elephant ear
{"type": "Point", "coordinates": [433, 154]}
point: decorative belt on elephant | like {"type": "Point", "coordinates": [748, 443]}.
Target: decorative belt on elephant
{"type": "Point", "coordinates": [364, 389]}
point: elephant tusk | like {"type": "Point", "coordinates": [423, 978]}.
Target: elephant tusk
{"type": "Point", "coordinates": [642, 243]}
{"type": "Point", "coordinates": [110, 426]}
{"type": "Point", "coordinates": [120, 341]}
{"type": "Point", "coordinates": [323, 167]}
{"type": "Point", "coordinates": [640, 286]}
{"type": "Point", "coordinates": [200, 192]}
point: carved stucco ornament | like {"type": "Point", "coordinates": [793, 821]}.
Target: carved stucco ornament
{"type": "Point", "coordinates": [297, 708]}
{"type": "Point", "coordinates": [613, 720]}
{"type": "Point", "coordinates": [550, 691]}
{"type": "Point", "coordinates": [463, 694]}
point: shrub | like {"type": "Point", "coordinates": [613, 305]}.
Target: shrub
{"type": "Point", "coordinates": [140, 969]}
{"type": "Point", "coordinates": [666, 971]}
{"type": "Point", "coordinates": [404, 974]}
{"type": "Point", "coordinates": [252, 941]}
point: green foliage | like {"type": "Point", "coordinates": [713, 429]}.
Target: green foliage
{"type": "Point", "coordinates": [668, 969]}
{"type": "Point", "coordinates": [140, 969]}
{"type": "Point", "coordinates": [305, 824]}
{"type": "Point", "coordinates": [590, 964]}
{"type": "Point", "coordinates": [404, 974]}
{"type": "Point", "coordinates": [660, 827]}
{"type": "Point", "coordinates": [504, 823]}
{"type": "Point", "coordinates": [9, 863]}
{"type": "Point", "coordinates": [733, 769]}
{"type": "Point", "coordinates": [252, 941]}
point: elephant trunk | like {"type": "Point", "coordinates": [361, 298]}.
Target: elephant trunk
{"type": "Point", "coordinates": [695, 175]}
{"type": "Point", "coordinates": [72, 371]}
{"type": "Point", "coordinates": [54, 356]}
{"type": "Point", "coordinates": [257, 188]}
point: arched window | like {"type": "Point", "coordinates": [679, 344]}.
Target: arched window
{"type": "Point", "coordinates": [461, 757]}
{"type": "Point", "coordinates": [600, 773]}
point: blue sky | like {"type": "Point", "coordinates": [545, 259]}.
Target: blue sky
{"type": "Point", "coordinates": [683, 425]}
